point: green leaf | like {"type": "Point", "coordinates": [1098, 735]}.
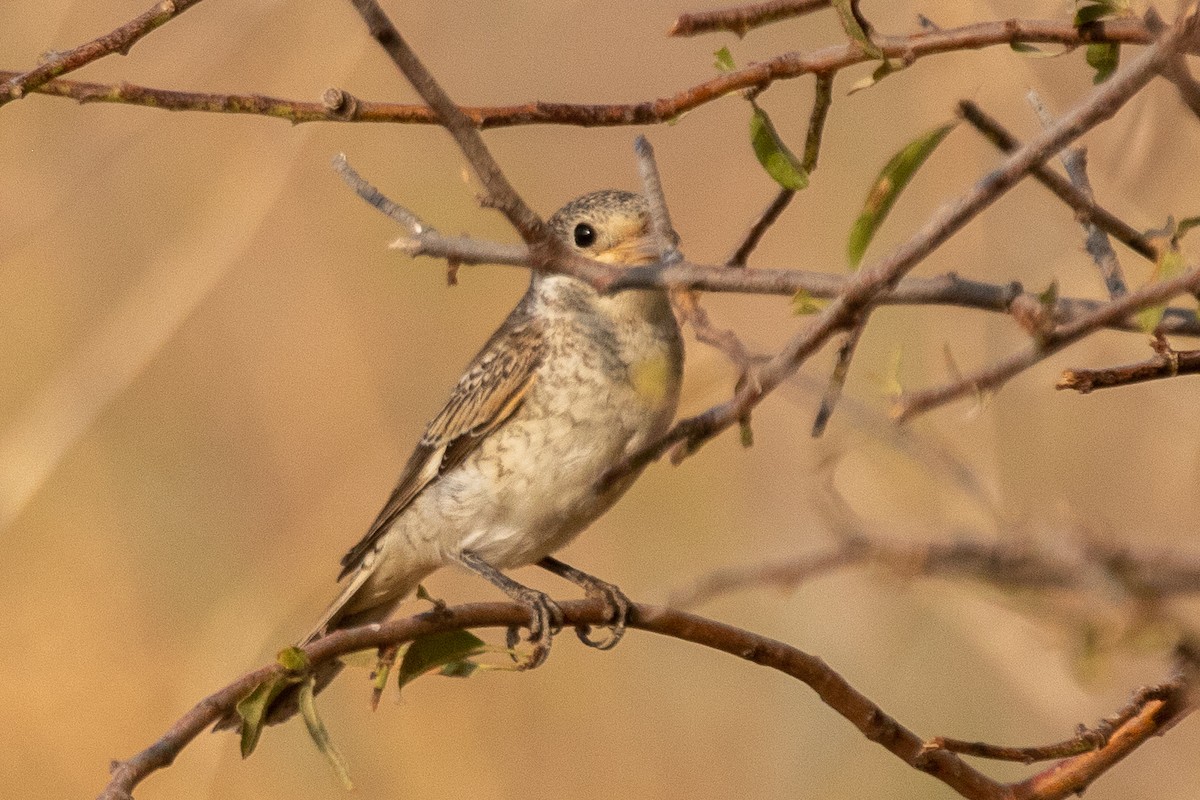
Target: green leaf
{"type": "Point", "coordinates": [1185, 225]}
{"type": "Point", "coordinates": [747, 432]}
{"type": "Point", "coordinates": [1170, 263]}
{"type": "Point", "coordinates": [779, 162]}
{"type": "Point", "coordinates": [1025, 47]}
{"type": "Point", "coordinates": [724, 61]}
{"type": "Point", "coordinates": [804, 303]}
{"type": "Point", "coordinates": [881, 72]}
{"type": "Point", "coordinates": [459, 669]}
{"type": "Point", "coordinates": [293, 659]}
{"type": "Point", "coordinates": [1048, 297]}
{"type": "Point", "coordinates": [320, 735]}
{"type": "Point", "coordinates": [437, 650]}
{"type": "Point", "coordinates": [854, 30]}
{"type": "Point", "coordinates": [887, 187]}
{"type": "Point", "coordinates": [1103, 58]}
{"type": "Point", "coordinates": [1094, 10]}
{"type": "Point", "coordinates": [253, 708]}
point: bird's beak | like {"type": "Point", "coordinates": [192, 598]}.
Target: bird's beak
{"type": "Point", "coordinates": [631, 252]}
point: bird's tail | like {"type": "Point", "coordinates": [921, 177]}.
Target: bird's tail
{"type": "Point", "coordinates": [336, 617]}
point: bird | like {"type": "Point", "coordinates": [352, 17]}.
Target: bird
{"type": "Point", "coordinates": [513, 467]}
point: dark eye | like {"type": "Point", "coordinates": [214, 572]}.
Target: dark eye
{"type": "Point", "coordinates": [585, 235]}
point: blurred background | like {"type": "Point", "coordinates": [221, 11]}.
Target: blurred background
{"type": "Point", "coordinates": [213, 370]}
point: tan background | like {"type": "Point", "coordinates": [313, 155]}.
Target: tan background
{"type": "Point", "coordinates": [213, 370]}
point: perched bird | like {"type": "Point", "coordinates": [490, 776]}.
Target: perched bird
{"type": "Point", "coordinates": [509, 471]}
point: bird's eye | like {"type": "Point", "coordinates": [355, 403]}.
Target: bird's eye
{"type": "Point", "coordinates": [585, 235]}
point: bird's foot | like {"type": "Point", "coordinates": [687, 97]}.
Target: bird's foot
{"type": "Point", "coordinates": [545, 620]}
{"type": "Point", "coordinates": [616, 613]}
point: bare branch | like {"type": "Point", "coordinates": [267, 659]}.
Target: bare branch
{"type": "Point", "coordinates": [742, 19]}
{"type": "Point", "coordinates": [500, 193]}
{"type": "Point", "coordinates": [339, 106]}
{"type": "Point", "coordinates": [1166, 363]}
{"type": "Point", "coordinates": [991, 377]}
{"type": "Point", "coordinates": [18, 85]}
{"type": "Point", "coordinates": [1082, 203]}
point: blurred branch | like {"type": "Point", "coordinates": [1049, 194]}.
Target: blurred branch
{"type": "Point", "coordinates": [742, 19]}
{"type": "Point", "coordinates": [1166, 363]}
{"type": "Point", "coordinates": [339, 106]}
{"type": "Point", "coordinates": [1045, 345]}
{"type": "Point", "coordinates": [120, 40]}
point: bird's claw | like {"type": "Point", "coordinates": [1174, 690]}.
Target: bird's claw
{"type": "Point", "coordinates": [545, 620]}
{"type": "Point", "coordinates": [616, 606]}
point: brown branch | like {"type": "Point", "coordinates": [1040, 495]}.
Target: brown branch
{"type": "Point", "coordinates": [831, 687]}
{"type": "Point", "coordinates": [1079, 200]}
{"type": "Point", "coordinates": [1044, 346]}
{"type": "Point", "coordinates": [1166, 363]}
{"type": "Point", "coordinates": [742, 19]}
{"type": "Point", "coordinates": [339, 106]}
{"type": "Point", "coordinates": [18, 85]}
{"type": "Point", "coordinates": [500, 193]}
{"type": "Point", "coordinates": [863, 287]}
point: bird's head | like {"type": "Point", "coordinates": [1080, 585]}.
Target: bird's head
{"type": "Point", "coordinates": [609, 225]}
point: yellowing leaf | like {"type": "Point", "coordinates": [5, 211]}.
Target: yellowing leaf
{"type": "Point", "coordinates": [1170, 263]}
{"type": "Point", "coordinates": [804, 303]}
{"type": "Point", "coordinates": [891, 182]}
{"type": "Point", "coordinates": [320, 736]}
{"type": "Point", "coordinates": [724, 62]}
{"type": "Point", "coordinates": [779, 162]}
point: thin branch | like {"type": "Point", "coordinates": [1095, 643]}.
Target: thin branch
{"type": "Point", "coordinates": [1044, 346]}
{"type": "Point", "coordinates": [831, 687]}
{"type": "Point", "coordinates": [339, 106]}
{"type": "Point", "coordinates": [1074, 161]}
{"type": "Point", "coordinates": [822, 100]}
{"type": "Point", "coordinates": [500, 193]}
{"type": "Point", "coordinates": [949, 289]}
{"type": "Point", "coordinates": [863, 287]}
{"type": "Point", "coordinates": [742, 19]}
{"type": "Point", "coordinates": [1082, 203]}
{"type": "Point", "coordinates": [18, 85]}
{"type": "Point", "coordinates": [1166, 363]}
{"type": "Point", "coordinates": [660, 216]}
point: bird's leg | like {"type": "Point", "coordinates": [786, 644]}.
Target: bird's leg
{"type": "Point", "coordinates": [545, 617]}
{"type": "Point", "coordinates": [616, 603]}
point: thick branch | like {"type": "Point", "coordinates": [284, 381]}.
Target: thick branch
{"type": "Point", "coordinates": [874, 723]}
{"type": "Point", "coordinates": [1166, 363]}
{"type": "Point", "coordinates": [742, 19]}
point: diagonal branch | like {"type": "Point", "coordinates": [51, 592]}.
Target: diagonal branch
{"type": "Point", "coordinates": [863, 288]}
{"type": "Point", "coordinates": [120, 40]}
{"type": "Point", "coordinates": [742, 19]}
{"type": "Point", "coordinates": [500, 193]}
{"type": "Point", "coordinates": [1044, 346]}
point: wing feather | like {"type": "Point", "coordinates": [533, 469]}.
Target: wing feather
{"type": "Point", "coordinates": [492, 388]}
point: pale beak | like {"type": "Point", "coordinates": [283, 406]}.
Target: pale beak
{"type": "Point", "coordinates": [633, 251]}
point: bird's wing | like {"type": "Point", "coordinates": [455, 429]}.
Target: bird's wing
{"type": "Point", "coordinates": [489, 392]}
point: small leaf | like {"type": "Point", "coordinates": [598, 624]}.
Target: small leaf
{"type": "Point", "coordinates": [881, 72]}
{"type": "Point", "coordinates": [779, 162]}
{"type": "Point", "coordinates": [891, 181]}
{"type": "Point", "coordinates": [320, 735]}
{"type": "Point", "coordinates": [892, 386]}
{"type": "Point", "coordinates": [1170, 263]}
{"type": "Point", "coordinates": [1025, 47]}
{"type": "Point", "coordinates": [747, 432]}
{"type": "Point", "coordinates": [1103, 58]}
{"type": "Point", "coordinates": [293, 659]}
{"type": "Point", "coordinates": [1049, 296]}
{"type": "Point", "coordinates": [804, 303]}
{"type": "Point", "coordinates": [437, 650]}
{"type": "Point", "coordinates": [1185, 225]}
{"type": "Point", "coordinates": [1094, 10]}
{"type": "Point", "coordinates": [253, 708]}
{"type": "Point", "coordinates": [459, 669]}
{"type": "Point", "coordinates": [724, 62]}
{"type": "Point", "coordinates": [854, 30]}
